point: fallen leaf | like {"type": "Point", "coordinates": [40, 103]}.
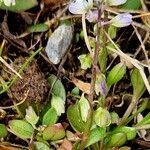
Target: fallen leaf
{"type": "Point", "coordinates": [83, 86]}
{"type": "Point", "coordinates": [66, 145]}
{"type": "Point", "coordinates": [6, 147]}
{"type": "Point", "coordinates": [54, 3]}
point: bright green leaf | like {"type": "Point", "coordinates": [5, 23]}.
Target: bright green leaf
{"type": "Point", "coordinates": [74, 117]}
{"type": "Point", "coordinates": [50, 117]}
{"type": "Point", "coordinates": [21, 128]}
{"type": "Point", "coordinates": [41, 27]}
{"type": "Point", "coordinates": [102, 117]}
{"type": "Point", "coordinates": [86, 61]}
{"type": "Point", "coordinates": [116, 74]}
{"type": "Point", "coordinates": [84, 108]}
{"type": "Point", "coordinates": [115, 140]}
{"type": "Point", "coordinates": [137, 80]}
{"type": "Point", "coordinates": [112, 31]}
{"type": "Point", "coordinates": [58, 104]}
{"type": "Point", "coordinates": [132, 5]}
{"type": "Point", "coordinates": [75, 91]}
{"type": "Point", "coordinates": [145, 120]}
{"type": "Point", "coordinates": [129, 131]}
{"type": "Point", "coordinates": [20, 5]}
{"type": "Point", "coordinates": [3, 131]}
{"type": "Point", "coordinates": [96, 135]}
{"type": "Point", "coordinates": [57, 87]}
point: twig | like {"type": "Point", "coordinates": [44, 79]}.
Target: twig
{"type": "Point", "coordinates": [143, 47]}
{"type": "Point", "coordinates": [85, 35]}
{"type": "Point", "coordinates": [17, 104]}
{"type": "Point", "coordinates": [8, 66]}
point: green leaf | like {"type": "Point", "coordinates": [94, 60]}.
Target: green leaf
{"type": "Point", "coordinates": [54, 132]}
{"type": "Point", "coordinates": [102, 117]}
{"type": "Point", "coordinates": [112, 31]}
{"type": "Point", "coordinates": [114, 117]}
{"type": "Point", "coordinates": [137, 80]}
{"type": "Point", "coordinates": [21, 128]}
{"type": "Point", "coordinates": [132, 5]}
{"type": "Point", "coordinates": [31, 116]}
{"type": "Point", "coordinates": [58, 104]}
{"type": "Point", "coordinates": [3, 131]}
{"type": "Point", "coordinates": [50, 117]}
{"type": "Point", "coordinates": [84, 108]}
{"type": "Point", "coordinates": [75, 91]}
{"type": "Point", "coordinates": [116, 74]}
{"type": "Point", "coordinates": [86, 61]}
{"type": "Point", "coordinates": [129, 131]}
{"type": "Point", "coordinates": [21, 5]}
{"type": "Point", "coordinates": [57, 87]}
{"type": "Point", "coordinates": [41, 146]}
{"type": "Point", "coordinates": [74, 117]}
{"type": "Point", "coordinates": [115, 140]}
{"type": "Point", "coordinates": [145, 120]}
{"type": "Point", "coordinates": [41, 27]}
{"type": "Point", "coordinates": [96, 135]}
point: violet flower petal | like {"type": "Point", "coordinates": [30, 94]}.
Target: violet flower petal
{"type": "Point", "coordinates": [122, 20]}
{"type": "Point", "coordinates": [92, 16]}
{"type": "Point", "coordinates": [80, 6]}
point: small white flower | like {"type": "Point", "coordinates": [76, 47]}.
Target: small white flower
{"type": "Point", "coordinates": [80, 6]}
{"type": "Point", "coordinates": [9, 2]}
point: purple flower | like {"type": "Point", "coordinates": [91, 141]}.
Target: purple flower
{"type": "Point", "coordinates": [100, 85]}
{"type": "Point", "coordinates": [103, 88]}
{"type": "Point", "coordinates": [122, 20]}
{"type": "Point", "coordinates": [80, 6]}
{"type": "Point", "coordinates": [92, 16]}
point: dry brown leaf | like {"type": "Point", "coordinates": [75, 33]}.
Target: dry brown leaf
{"type": "Point", "coordinates": [66, 145]}
{"type": "Point", "coordinates": [4, 147]}
{"type": "Point", "coordinates": [54, 3]}
{"type": "Point", "coordinates": [83, 86]}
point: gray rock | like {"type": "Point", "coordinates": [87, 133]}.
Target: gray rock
{"type": "Point", "coordinates": [59, 42]}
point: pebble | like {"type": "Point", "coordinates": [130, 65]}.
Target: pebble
{"type": "Point", "coordinates": [59, 42]}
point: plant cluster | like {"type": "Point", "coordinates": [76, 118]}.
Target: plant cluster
{"type": "Point", "coordinates": [92, 124]}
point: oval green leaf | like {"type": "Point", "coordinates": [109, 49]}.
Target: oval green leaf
{"type": "Point", "coordinates": [57, 87]}
{"type": "Point", "coordinates": [21, 128]}
{"type": "Point", "coordinates": [41, 27]}
{"type": "Point", "coordinates": [116, 74]}
{"type": "Point", "coordinates": [75, 119]}
{"type": "Point", "coordinates": [20, 5]}
{"type": "Point", "coordinates": [3, 131]}
{"type": "Point", "coordinates": [129, 131]}
{"type": "Point", "coordinates": [132, 5]}
{"type": "Point", "coordinates": [137, 80]}
{"type": "Point", "coordinates": [50, 117]}
{"type": "Point", "coordinates": [41, 146]}
{"type": "Point", "coordinates": [54, 132]}
{"type": "Point", "coordinates": [115, 140]}
{"type": "Point", "coordinates": [96, 135]}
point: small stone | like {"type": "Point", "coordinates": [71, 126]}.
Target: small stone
{"type": "Point", "coordinates": [59, 42]}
